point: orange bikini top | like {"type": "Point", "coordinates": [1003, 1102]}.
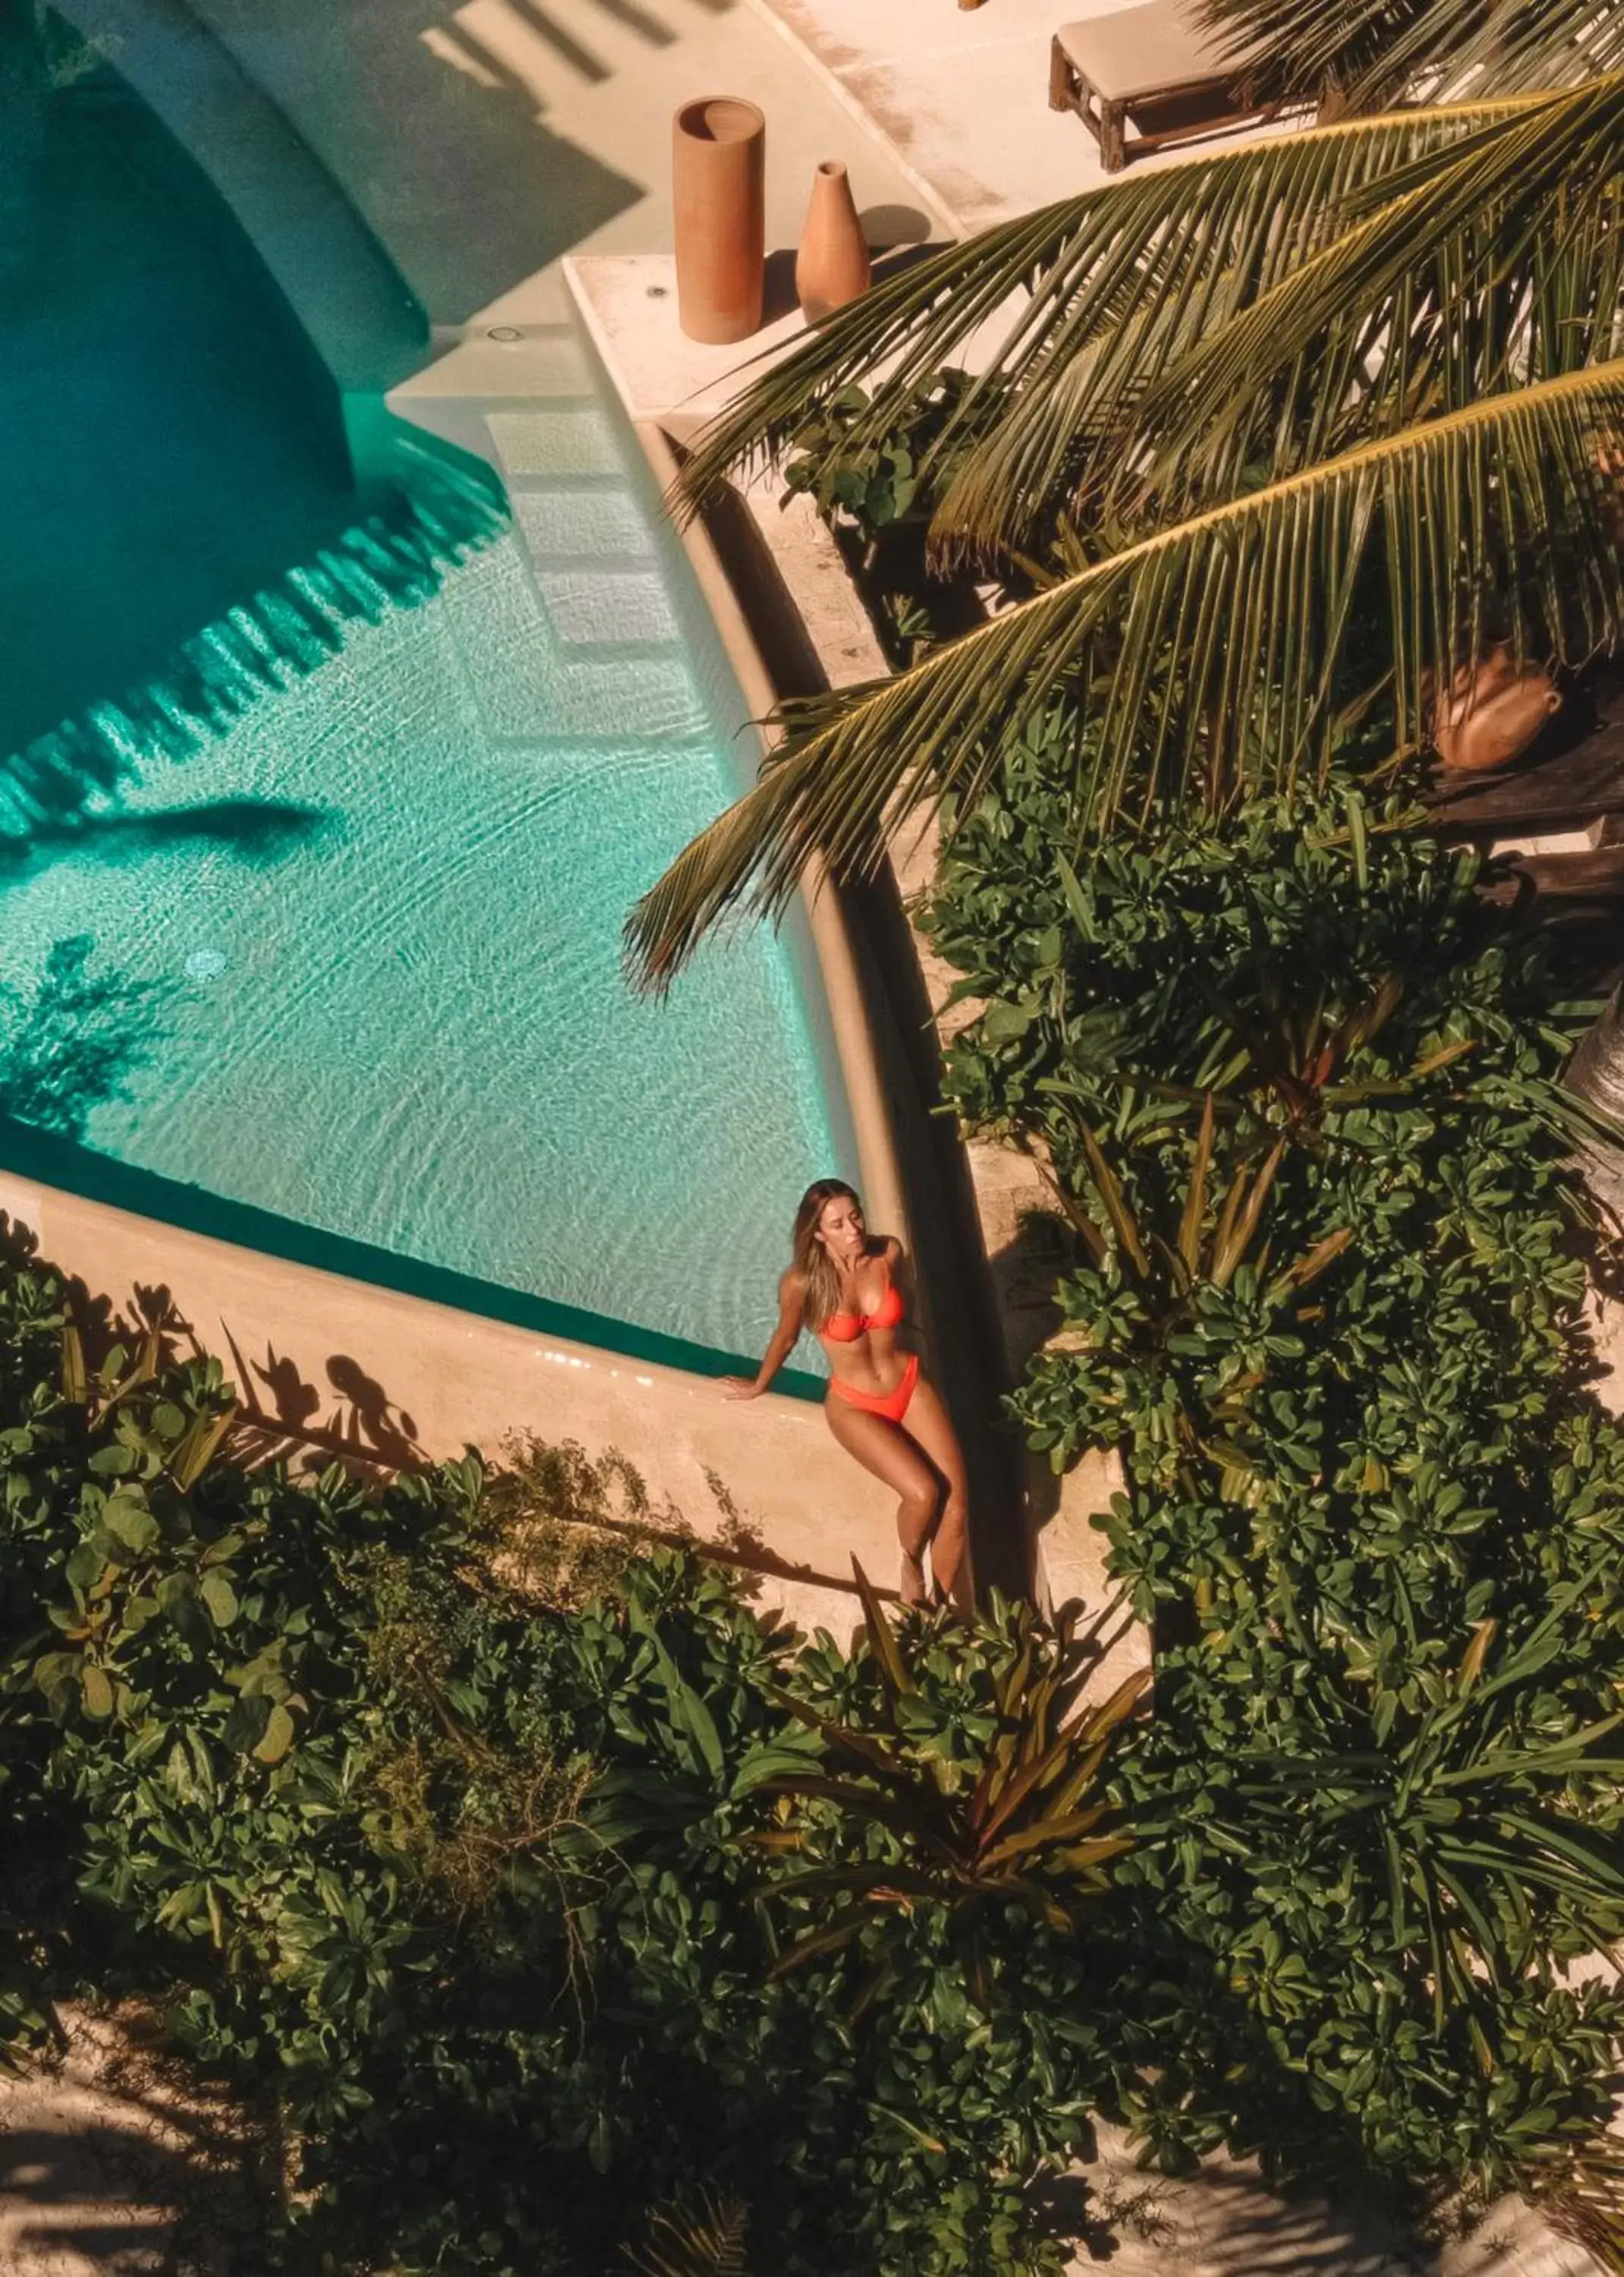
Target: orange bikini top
{"type": "Point", "coordinates": [846, 1327]}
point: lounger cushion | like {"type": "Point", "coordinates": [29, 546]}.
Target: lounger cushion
{"type": "Point", "coordinates": [1144, 52]}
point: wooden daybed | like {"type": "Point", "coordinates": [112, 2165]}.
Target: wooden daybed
{"type": "Point", "coordinates": [1156, 65]}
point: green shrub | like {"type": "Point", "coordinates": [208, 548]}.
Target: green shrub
{"type": "Point", "coordinates": [526, 1912]}
{"type": "Point", "coordinates": [878, 497]}
{"type": "Point", "coordinates": [462, 1888]}
{"type": "Point", "coordinates": [1295, 1085]}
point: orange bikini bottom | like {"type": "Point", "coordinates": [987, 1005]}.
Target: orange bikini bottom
{"type": "Point", "coordinates": [894, 1406]}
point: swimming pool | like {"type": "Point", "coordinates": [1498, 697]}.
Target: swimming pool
{"type": "Point", "coordinates": [312, 896]}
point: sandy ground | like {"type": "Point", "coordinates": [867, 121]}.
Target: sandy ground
{"type": "Point", "coordinates": [115, 2164]}
{"type": "Point", "coordinates": [1225, 2223]}
{"type": "Point", "coordinates": [962, 96]}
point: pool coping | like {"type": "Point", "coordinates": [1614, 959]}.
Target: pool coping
{"type": "Point", "coordinates": [1064, 1549]}
{"type": "Point", "coordinates": [950, 1286]}
{"type": "Point", "coordinates": [65, 1168]}
{"type": "Point", "coordinates": [873, 1128]}
{"type": "Point", "coordinates": [116, 1228]}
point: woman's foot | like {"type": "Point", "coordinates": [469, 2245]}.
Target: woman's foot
{"type": "Point", "coordinates": [912, 1590]}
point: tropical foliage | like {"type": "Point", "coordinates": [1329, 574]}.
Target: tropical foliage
{"type": "Point", "coordinates": [474, 1897]}
{"type": "Point", "coordinates": [510, 1916]}
{"type": "Point", "coordinates": [1293, 1084]}
{"type": "Point", "coordinates": [1031, 1828]}
{"type": "Point", "coordinates": [1369, 47]}
{"type": "Point", "coordinates": [1280, 439]}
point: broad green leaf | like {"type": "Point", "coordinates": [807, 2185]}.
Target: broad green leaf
{"type": "Point", "coordinates": [278, 1735]}
{"type": "Point", "coordinates": [220, 1598]}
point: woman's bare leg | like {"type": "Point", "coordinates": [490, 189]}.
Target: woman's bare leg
{"type": "Point", "coordinates": [927, 1424]}
{"type": "Point", "coordinates": [887, 1452]}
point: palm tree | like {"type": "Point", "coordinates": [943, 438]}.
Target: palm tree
{"type": "Point", "coordinates": [1279, 439]}
{"type": "Point", "coordinates": [1376, 49]}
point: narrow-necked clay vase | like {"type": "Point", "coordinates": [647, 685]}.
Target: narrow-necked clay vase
{"type": "Point", "coordinates": [831, 267]}
{"type": "Point", "coordinates": [1493, 712]}
{"type": "Point", "coordinates": [719, 146]}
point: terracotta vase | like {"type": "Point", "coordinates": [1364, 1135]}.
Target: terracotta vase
{"type": "Point", "coordinates": [719, 146]}
{"type": "Point", "coordinates": [1493, 712]}
{"type": "Point", "coordinates": [831, 267]}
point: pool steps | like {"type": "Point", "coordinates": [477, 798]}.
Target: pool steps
{"type": "Point", "coordinates": [587, 641]}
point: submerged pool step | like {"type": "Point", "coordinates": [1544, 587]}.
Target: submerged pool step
{"type": "Point", "coordinates": [544, 365]}
{"type": "Point", "coordinates": [572, 527]}
{"type": "Point", "coordinates": [569, 630]}
{"type": "Point", "coordinates": [594, 553]}
{"type": "Point", "coordinates": [530, 685]}
{"type": "Point", "coordinates": [555, 439]}
{"type": "Point", "coordinates": [600, 607]}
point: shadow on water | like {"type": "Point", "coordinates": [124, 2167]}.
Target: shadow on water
{"type": "Point", "coordinates": [56, 791]}
{"type": "Point", "coordinates": [255, 831]}
{"type": "Point", "coordinates": [58, 794]}
{"type": "Point", "coordinates": [175, 452]}
{"type": "Point", "coordinates": [417, 109]}
{"type": "Point", "coordinates": [74, 1041]}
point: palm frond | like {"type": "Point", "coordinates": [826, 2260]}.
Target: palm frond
{"type": "Point", "coordinates": [1068, 311]}
{"type": "Point", "coordinates": [1579, 2188]}
{"type": "Point", "coordinates": [1375, 49]}
{"type": "Point", "coordinates": [706, 2239]}
{"type": "Point", "coordinates": [1498, 266]}
{"type": "Point", "coordinates": [1203, 659]}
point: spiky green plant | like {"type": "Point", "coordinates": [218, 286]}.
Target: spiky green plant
{"type": "Point", "coordinates": [705, 2238]}
{"type": "Point", "coordinates": [1029, 1826]}
{"type": "Point", "coordinates": [1473, 1813]}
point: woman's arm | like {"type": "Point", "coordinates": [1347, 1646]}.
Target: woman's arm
{"type": "Point", "coordinates": [791, 1297]}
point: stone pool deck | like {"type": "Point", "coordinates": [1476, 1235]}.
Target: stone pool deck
{"type": "Point", "coordinates": [484, 140]}
{"type": "Point", "coordinates": [963, 95]}
{"type": "Point", "coordinates": [337, 1367]}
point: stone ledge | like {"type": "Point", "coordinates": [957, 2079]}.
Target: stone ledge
{"type": "Point", "coordinates": [421, 1381]}
{"type": "Point", "coordinates": [677, 385]}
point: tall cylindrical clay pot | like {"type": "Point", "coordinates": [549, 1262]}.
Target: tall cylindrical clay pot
{"type": "Point", "coordinates": [719, 146]}
{"type": "Point", "coordinates": [831, 267]}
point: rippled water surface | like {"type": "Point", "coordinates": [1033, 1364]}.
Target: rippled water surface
{"type": "Point", "coordinates": [402, 1017]}
{"type": "Point", "coordinates": [312, 894]}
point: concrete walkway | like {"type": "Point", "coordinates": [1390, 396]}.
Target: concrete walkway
{"type": "Point", "coordinates": [963, 95]}
{"type": "Point", "coordinates": [484, 140]}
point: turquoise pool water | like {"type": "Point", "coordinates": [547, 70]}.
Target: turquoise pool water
{"type": "Point", "coordinates": [311, 897]}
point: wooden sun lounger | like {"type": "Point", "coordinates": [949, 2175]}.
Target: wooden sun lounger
{"type": "Point", "coordinates": [1154, 63]}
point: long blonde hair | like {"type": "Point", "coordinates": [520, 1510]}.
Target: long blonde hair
{"type": "Point", "coordinates": [820, 1275]}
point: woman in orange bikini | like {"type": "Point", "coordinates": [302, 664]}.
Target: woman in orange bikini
{"type": "Point", "coordinates": [879, 1407]}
